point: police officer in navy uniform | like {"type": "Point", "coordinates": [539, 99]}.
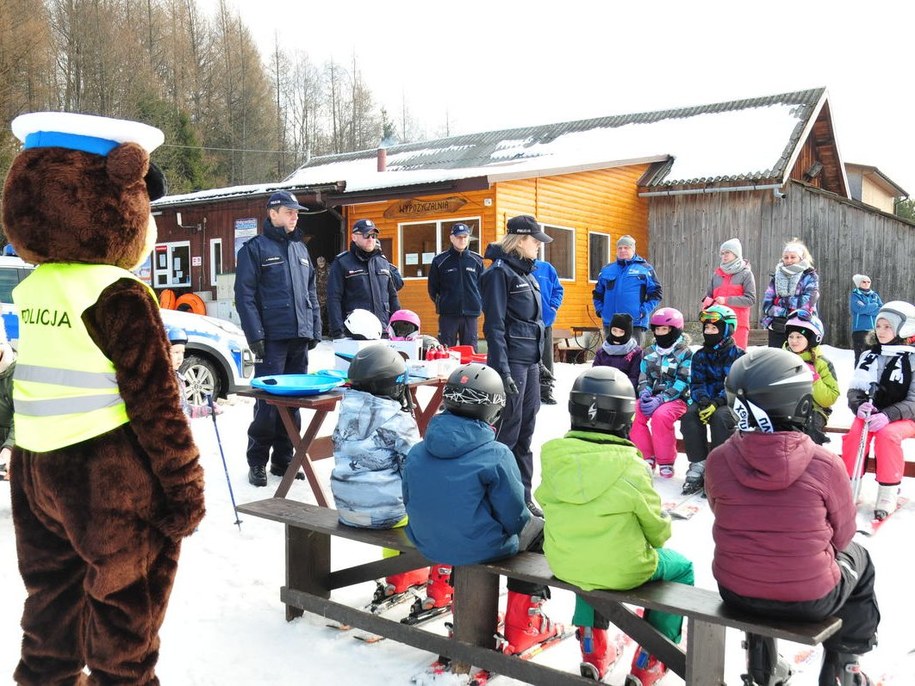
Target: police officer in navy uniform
{"type": "Point", "coordinates": [277, 302]}
{"type": "Point", "coordinates": [454, 286]}
{"type": "Point", "coordinates": [361, 278]}
{"type": "Point", "coordinates": [513, 326]}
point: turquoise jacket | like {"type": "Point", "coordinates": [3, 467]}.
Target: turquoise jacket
{"type": "Point", "coordinates": [603, 517]}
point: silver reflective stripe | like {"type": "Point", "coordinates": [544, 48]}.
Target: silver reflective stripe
{"type": "Point", "coordinates": [65, 377]}
{"type": "Point", "coordinates": [58, 406]}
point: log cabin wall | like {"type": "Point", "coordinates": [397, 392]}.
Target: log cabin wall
{"type": "Point", "coordinates": [844, 238]}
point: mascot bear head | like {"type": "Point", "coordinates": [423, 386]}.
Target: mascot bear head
{"type": "Point", "coordinates": [80, 189]}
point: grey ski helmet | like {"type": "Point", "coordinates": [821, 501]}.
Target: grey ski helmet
{"type": "Point", "coordinates": [603, 399]}
{"type": "Point", "coordinates": [379, 370]}
{"type": "Point", "coordinates": [770, 389]}
{"type": "Point", "coordinates": [475, 391]}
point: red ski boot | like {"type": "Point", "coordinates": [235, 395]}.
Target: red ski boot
{"type": "Point", "coordinates": [525, 623]}
{"type": "Point", "coordinates": [646, 669]}
{"type": "Point", "coordinates": [399, 583]}
{"type": "Point", "coordinates": [439, 590]}
{"type": "Point", "coordinates": [598, 654]}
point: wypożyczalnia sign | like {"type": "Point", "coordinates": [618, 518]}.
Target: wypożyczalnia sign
{"type": "Point", "coordinates": [423, 208]}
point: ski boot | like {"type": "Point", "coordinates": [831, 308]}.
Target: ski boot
{"type": "Point", "coordinates": [439, 592]}
{"type": "Point", "coordinates": [764, 668]}
{"type": "Point", "coordinates": [598, 655]}
{"type": "Point", "coordinates": [646, 669]}
{"type": "Point", "coordinates": [886, 501]}
{"type": "Point", "coordinates": [398, 588]}
{"type": "Point", "coordinates": [525, 623]}
{"type": "Point", "coordinates": [694, 481]}
{"type": "Point", "coordinates": [842, 669]}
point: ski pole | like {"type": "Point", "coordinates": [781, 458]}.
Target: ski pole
{"type": "Point", "coordinates": [225, 467]}
{"type": "Point", "coordinates": [858, 473]}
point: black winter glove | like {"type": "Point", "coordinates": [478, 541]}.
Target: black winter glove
{"type": "Point", "coordinates": [313, 343]}
{"type": "Point", "coordinates": [546, 374]}
{"type": "Point", "coordinates": [511, 388]}
{"type": "Point", "coordinates": [257, 347]}
{"type": "Point", "coordinates": [704, 402]}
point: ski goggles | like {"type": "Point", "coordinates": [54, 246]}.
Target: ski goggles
{"type": "Point", "coordinates": [706, 317]}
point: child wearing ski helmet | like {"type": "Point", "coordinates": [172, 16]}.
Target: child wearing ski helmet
{"type": "Point", "coordinates": [709, 411]}
{"type": "Point", "coordinates": [784, 520]}
{"type": "Point", "coordinates": [621, 350]}
{"type": "Point", "coordinates": [663, 390]}
{"type": "Point", "coordinates": [371, 440]}
{"type": "Point", "coordinates": [465, 498]}
{"type": "Point", "coordinates": [890, 410]}
{"type": "Point", "coordinates": [805, 333]}
{"type": "Point", "coordinates": [177, 339]}
{"type": "Point", "coordinates": [403, 326]}
{"type": "Point", "coordinates": [595, 474]}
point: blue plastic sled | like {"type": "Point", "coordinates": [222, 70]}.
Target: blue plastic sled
{"type": "Point", "coordinates": [300, 384]}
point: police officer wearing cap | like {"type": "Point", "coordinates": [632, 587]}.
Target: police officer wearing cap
{"type": "Point", "coordinates": [513, 327]}
{"type": "Point", "coordinates": [454, 286]}
{"type": "Point", "coordinates": [277, 302]}
{"type": "Point", "coordinates": [361, 278]}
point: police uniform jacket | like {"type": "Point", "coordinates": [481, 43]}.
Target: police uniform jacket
{"type": "Point", "coordinates": [454, 283]}
{"type": "Point", "coordinates": [360, 280]}
{"type": "Point", "coordinates": [513, 323]}
{"type": "Point", "coordinates": [275, 290]}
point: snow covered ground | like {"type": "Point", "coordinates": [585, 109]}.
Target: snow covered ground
{"type": "Point", "coordinates": [225, 624]}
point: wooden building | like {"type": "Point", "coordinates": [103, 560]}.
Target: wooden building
{"type": "Point", "coordinates": [680, 181]}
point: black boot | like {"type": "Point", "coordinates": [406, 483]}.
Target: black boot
{"type": "Point", "coordinates": [257, 475]}
{"type": "Point", "coordinates": [763, 663]}
{"type": "Point", "coordinates": [280, 470]}
{"type": "Point", "coordinates": [695, 478]}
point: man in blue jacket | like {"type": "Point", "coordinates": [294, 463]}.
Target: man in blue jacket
{"type": "Point", "coordinates": [454, 287]}
{"type": "Point", "coordinates": [277, 302]}
{"type": "Point", "coordinates": [551, 293]}
{"type": "Point", "coordinates": [628, 284]}
{"type": "Point", "coordinates": [361, 278]}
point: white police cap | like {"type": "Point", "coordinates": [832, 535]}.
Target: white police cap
{"type": "Point", "coordinates": [86, 132]}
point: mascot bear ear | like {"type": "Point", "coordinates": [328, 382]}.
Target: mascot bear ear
{"type": "Point", "coordinates": [127, 164]}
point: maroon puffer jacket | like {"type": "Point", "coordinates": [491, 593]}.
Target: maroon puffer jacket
{"type": "Point", "coordinates": [783, 507]}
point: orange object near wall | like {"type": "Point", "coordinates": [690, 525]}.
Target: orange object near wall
{"type": "Point", "coordinates": [191, 302]}
{"type": "Point", "coordinates": [167, 299]}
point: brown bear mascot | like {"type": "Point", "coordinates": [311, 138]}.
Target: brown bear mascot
{"type": "Point", "coordinates": [105, 474]}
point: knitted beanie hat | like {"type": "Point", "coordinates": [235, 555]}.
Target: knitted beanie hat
{"type": "Point", "coordinates": [626, 240]}
{"type": "Point", "coordinates": [733, 245]}
{"type": "Point", "coordinates": [858, 278]}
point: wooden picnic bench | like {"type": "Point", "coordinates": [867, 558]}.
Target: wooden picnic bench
{"type": "Point", "coordinates": [310, 579]}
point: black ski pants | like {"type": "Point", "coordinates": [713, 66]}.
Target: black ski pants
{"type": "Point", "coordinates": [695, 434]}
{"type": "Point", "coordinates": [852, 600]}
{"type": "Point", "coordinates": [516, 426]}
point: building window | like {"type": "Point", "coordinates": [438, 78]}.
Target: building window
{"type": "Point", "coordinates": [215, 259]}
{"type": "Point", "coordinates": [172, 265]}
{"type": "Point", "coordinates": [598, 253]}
{"type": "Point", "coordinates": [561, 252]}
{"type": "Point", "coordinates": [422, 241]}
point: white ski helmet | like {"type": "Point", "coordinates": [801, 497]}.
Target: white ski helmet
{"type": "Point", "coordinates": [901, 317]}
{"type": "Point", "coordinates": [362, 325]}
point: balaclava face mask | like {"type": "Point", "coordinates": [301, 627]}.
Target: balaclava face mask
{"type": "Point", "coordinates": [668, 339]}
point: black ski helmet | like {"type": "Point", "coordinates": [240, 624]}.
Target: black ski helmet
{"type": "Point", "coordinates": [770, 389]}
{"type": "Point", "coordinates": [602, 399]}
{"type": "Point", "coordinates": [379, 370]}
{"type": "Point", "coordinates": [475, 391]}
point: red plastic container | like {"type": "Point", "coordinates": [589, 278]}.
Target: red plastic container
{"type": "Point", "coordinates": [466, 352]}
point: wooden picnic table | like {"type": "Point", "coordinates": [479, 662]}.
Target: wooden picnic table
{"type": "Point", "coordinates": [308, 447]}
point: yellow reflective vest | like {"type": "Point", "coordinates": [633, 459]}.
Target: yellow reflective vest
{"type": "Point", "coordinates": [64, 389]}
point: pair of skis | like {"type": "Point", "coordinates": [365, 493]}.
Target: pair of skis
{"type": "Point", "coordinates": [871, 527]}
{"type": "Point", "coordinates": [685, 507]}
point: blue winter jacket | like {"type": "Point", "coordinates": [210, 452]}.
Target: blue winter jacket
{"type": "Point", "coordinates": [361, 280]}
{"type": "Point", "coordinates": [551, 290]}
{"type": "Point", "coordinates": [463, 493]}
{"type": "Point", "coordinates": [629, 286]}
{"type": "Point", "coordinates": [371, 440]}
{"type": "Point", "coordinates": [864, 306]}
{"type": "Point", "coordinates": [513, 325]}
{"type": "Point", "coordinates": [454, 283]}
{"type": "Point", "coordinates": [708, 369]}
{"type": "Point", "coordinates": [275, 287]}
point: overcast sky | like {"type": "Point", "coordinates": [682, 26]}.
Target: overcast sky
{"type": "Point", "coordinates": [482, 65]}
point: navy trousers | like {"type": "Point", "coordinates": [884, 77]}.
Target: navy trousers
{"type": "Point", "coordinates": [266, 432]}
{"type": "Point", "coordinates": [516, 426]}
{"type": "Point", "coordinates": [450, 329]}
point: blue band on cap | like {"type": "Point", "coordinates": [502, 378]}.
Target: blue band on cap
{"type": "Point", "coordinates": [73, 141]}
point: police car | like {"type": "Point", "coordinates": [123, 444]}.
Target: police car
{"type": "Point", "coordinates": [217, 360]}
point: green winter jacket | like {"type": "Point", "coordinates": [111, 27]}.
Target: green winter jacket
{"type": "Point", "coordinates": [603, 517]}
